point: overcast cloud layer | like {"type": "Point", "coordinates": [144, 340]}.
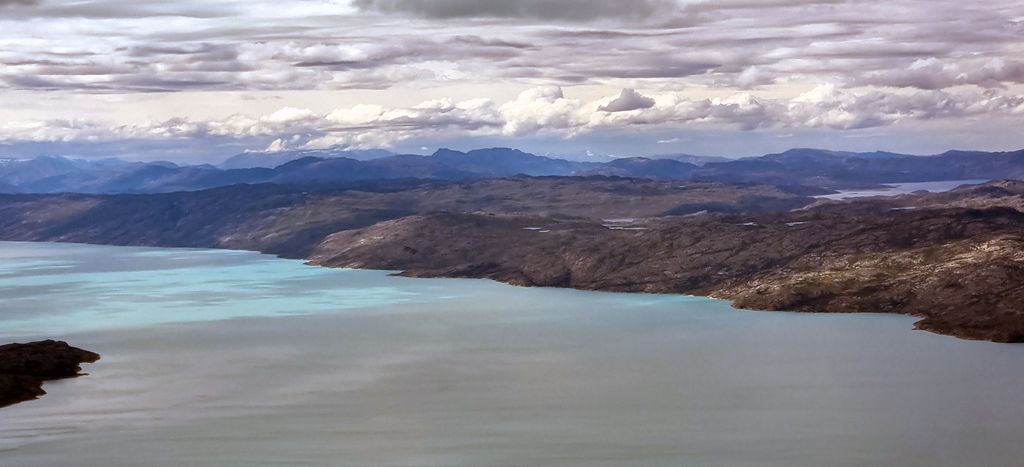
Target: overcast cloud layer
{"type": "Point", "coordinates": [106, 76]}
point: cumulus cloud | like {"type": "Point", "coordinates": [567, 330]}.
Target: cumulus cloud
{"type": "Point", "coordinates": [885, 62]}
{"type": "Point", "coordinates": [536, 111]}
{"type": "Point", "coordinates": [628, 100]}
{"type": "Point", "coordinates": [829, 106]}
{"type": "Point", "coordinates": [542, 108]}
{"type": "Point", "coordinates": [933, 73]}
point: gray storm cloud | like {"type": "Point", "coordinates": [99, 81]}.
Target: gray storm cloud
{"type": "Point", "coordinates": [628, 100]}
{"type": "Point", "coordinates": [732, 64]}
{"type": "Point", "coordinates": [745, 44]}
{"type": "Point", "coordinates": [571, 10]}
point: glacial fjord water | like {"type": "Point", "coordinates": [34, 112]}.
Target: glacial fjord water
{"type": "Point", "coordinates": [894, 189]}
{"type": "Point", "coordinates": [218, 358]}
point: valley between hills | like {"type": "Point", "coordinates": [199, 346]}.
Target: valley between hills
{"type": "Point", "coordinates": [954, 259]}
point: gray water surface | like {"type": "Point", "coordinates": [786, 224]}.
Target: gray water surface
{"type": "Point", "coordinates": [216, 358]}
{"type": "Point", "coordinates": [895, 189]}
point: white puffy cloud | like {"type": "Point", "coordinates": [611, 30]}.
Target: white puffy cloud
{"type": "Point", "coordinates": [541, 108]}
{"type": "Point", "coordinates": [730, 64]}
{"type": "Point", "coordinates": [544, 110]}
{"type": "Point", "coordinates": [934, 73]}
{"type": "Point", "coordinates": [289, 115]}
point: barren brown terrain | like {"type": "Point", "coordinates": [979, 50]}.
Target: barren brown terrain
{"type": "Point", "coordinates": [954, 259]}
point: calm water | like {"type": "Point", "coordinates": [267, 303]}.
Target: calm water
{"type": "Point", "coordinates": [902, 189]}
{"type": "Point", "coordinates": [214, 358]}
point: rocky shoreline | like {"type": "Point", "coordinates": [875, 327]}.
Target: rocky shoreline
{"type": "Point", "coordinates": [955, 259]}
{"type": "Point", "coordinates": [25, 367]}
{"type": "Point", "coordinates": [964, 282]}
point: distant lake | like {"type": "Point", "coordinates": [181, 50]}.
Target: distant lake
{"type": "Point", "coordinates": [894, 189]}
{"type": "Point", "coordinates": [219, 358]}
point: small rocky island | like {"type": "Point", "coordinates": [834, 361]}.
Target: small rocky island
{"type": "Point", "coordinates": [24, 368]}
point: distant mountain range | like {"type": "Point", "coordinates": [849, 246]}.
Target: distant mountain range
{"type": "Point", "coordinates": [690, 159]}
{"type": "Point", "coordinates": [269, 160]}
{"type": "Point", "coordinates": [814, 167]}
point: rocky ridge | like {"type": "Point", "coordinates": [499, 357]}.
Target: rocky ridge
{"type": "Point", "coordinates": [958, 265]}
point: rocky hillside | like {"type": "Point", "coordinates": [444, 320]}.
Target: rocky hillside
{"type": "Point", "coordinates": [961, 268]}
{"type": "Point", "coordinates": [955, 259]}
{"type": "Point", "coordinates": [291, 221]}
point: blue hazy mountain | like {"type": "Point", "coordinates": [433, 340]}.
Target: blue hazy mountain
{"type": "Point", "coordinates": [269, 160]}
{"type": "Point", "coordinates": [817, 167]}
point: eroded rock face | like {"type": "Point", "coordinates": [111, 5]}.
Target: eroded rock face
{"type": "Point", "coordinates": [959, 268]}
{"type": "Point", "coordinates": [24, 368]}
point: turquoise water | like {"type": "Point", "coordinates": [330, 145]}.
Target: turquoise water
{"type": "Point", "coordinates": [110, 287]}
{"type": "Point", "coordinates": [214, 358]}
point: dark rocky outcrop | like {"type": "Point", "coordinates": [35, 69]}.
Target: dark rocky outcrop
{"type": "Point", "coordinates": [24, 368]}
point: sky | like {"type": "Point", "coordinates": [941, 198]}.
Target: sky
{"type": "Point", "coordinates": [201, 80]}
